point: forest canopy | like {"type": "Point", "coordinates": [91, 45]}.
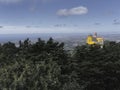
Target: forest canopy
{"type": "Point", "coordinates": [46, 65]}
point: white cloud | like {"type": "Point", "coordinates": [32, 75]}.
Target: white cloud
{"type": "Point", "coordinates": [9, 1]}
{"type": "Point", "coordinates": [31, 30]}
{"type": "Point", "coordinates": [63, 12]}
{"type": "Point", "coordinates": [73, 11]}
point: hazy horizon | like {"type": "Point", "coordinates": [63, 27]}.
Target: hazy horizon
{"type": "Point", "coordinates": [64, 37]}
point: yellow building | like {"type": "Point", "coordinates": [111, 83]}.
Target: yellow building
{"type": "Point", "coordinates": [91, 40]}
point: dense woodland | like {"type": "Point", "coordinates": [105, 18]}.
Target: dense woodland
{"type": "Point", "coordinates": [45, 65]}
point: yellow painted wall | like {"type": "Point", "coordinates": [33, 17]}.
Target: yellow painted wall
{"type": "Point", "coordinates": [90, 40]}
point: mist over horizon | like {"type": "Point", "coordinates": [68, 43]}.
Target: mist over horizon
{"type": "Point", "coordinates": [71, 40]}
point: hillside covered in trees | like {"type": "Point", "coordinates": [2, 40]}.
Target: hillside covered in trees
{"type": "Point", "coordinates": [45, 65]}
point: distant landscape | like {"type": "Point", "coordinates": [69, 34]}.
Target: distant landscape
{"type": "Point", "coordinates": [47, 65]}
{"type": "Point", "coordinates": [59, 45]}
{"type": "Point", "coordinates": [71, 40]}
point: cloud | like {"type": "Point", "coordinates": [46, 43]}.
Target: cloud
{"type": "Point", "coordinates": [29, 26]}
{"type": "Point", "coordinates": [97, 23]}
{"type": "Point", "coordinates": [116, 22]}
{"type": "Point", "coordinates": [32, 30]}
{"type": "Point", "coordinates": [1, 26]}
{"type": "Point", "coordinates": [73, 11]}
{"type": "Point", "coordinates": [9, 1]}
{"type": "Point", "coordinates": [60, 25]}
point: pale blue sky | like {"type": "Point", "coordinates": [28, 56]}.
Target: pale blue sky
{"type": "Point", "coordinates": [59, 16]}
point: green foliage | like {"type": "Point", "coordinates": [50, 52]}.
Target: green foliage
{"type": "Point", "coordinates": [96, 68]}
{"type": "Point", "coordinates": [29, 66]}
{"type": "Point", "coordinates": [45, 65]}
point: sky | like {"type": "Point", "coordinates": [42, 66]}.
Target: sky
{"type": "Point", "coordinates": [59, 16]}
